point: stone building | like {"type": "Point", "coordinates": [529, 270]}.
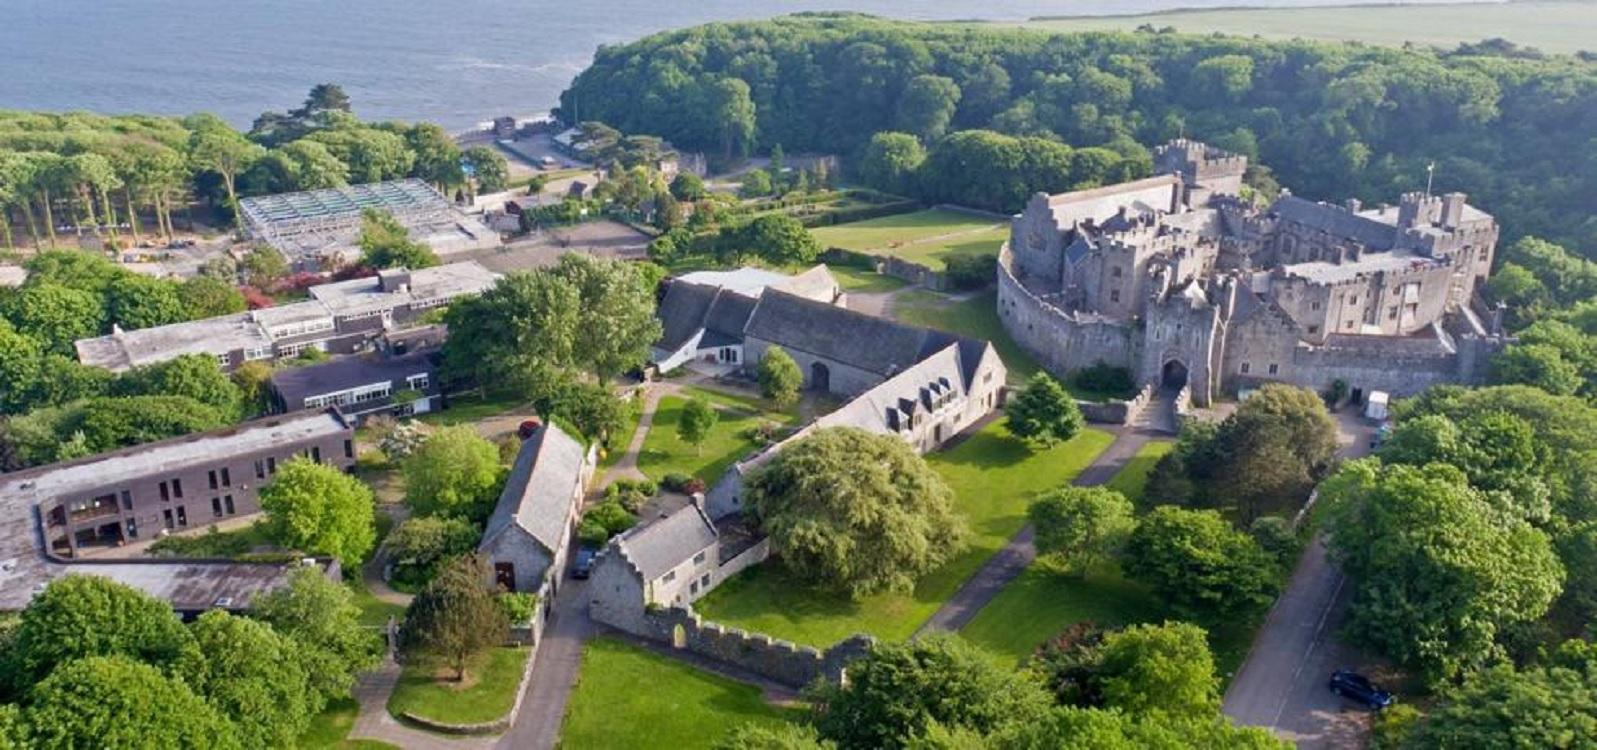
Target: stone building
{"type": "Point", "coordinates": [1185, 283]}
{"type": "Point", "coordinates": [704, 313]}
{"type": "Point", "coordinates": [528, 537]}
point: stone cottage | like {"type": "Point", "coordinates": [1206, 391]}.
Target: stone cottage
{"type": "Point", "coordinates": [528, 537]}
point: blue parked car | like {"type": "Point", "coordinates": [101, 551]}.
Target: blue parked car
{"type": "Point", "coordinates": [1358, 688]}
{"type": "Point", "coordinates": [584, 563]}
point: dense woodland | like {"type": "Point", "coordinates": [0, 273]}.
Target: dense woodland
{"type": "Point", "coordinates": [1332, 120]}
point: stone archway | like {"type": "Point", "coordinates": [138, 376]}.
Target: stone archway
{"type": "Point", "coordinates": [1173, 375]}
{"type": "Point", "coordinates": [820, 377]}
{"type": "Point", "coordinates": [679, 636]}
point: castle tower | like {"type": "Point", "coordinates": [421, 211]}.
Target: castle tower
{"type": "Point", "coordinates": [1205, 171]}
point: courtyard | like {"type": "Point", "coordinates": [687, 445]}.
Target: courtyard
{"type": "Point", "coordinates": [734, 436]}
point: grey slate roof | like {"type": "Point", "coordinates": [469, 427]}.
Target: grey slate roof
{"type": "Point", "coordinates": [542, 488]}
{"type": "Point", "coordinates": [873, 344]}
{"type": "Point", "coordinates": [660, 545]}
{"type": "Point", "coordinates": [1336, 221]}
{"type": "Point", "coordinates": [295, 384]}
{"type": "Point", "coordinates": [689, 308]}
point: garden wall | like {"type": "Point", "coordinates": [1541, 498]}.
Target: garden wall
{"type": "Point", "coordinates": [777, 660]}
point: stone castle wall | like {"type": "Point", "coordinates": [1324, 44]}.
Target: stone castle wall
{"type": "Point", "coordinates": [1060, 342]}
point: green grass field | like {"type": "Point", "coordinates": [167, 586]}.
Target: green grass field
{"type": "Point", "coordinates": [993, 477]}
{"type": "Point", "coordinates": [627, 697]}
{"type": "Point", "coordinates": [493, 679]}
{"type": "Point", "coordinates": [1132, 479]}
{"type": "Point", "coordinates": [864, 281]}
{"type": "Point", "coordinates": [664, 452]}
{"type": "Point", "coordinates": [1559, 27]}
{"type": "Point", "coordinates": [976, 317]}
{"type": "Point", "coordinates": [1044, 601]}
{"type": "Point", "coordinates": [925, 237]}
{"type": "Point", "coordinates": [329, 729]}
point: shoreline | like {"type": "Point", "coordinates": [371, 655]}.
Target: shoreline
{"type": "Point", "coordinates": [1244, 7]}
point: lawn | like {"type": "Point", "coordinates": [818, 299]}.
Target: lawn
{"type": "Point", "coordinates": [472, 409]}
{"type": "Point", "coordinates": [1044, 601]}
{"type": "Point", "coordinates": [976, 317]}
{"type": "Point", "coordinates": [627, 697]}
{"type": "Point", "coordinates": [329, 729]}
{"type": "Point", "coordinates": [858, 280]}
{"type": "Point", "coordinates": [374, 612]}
{"type": "Point", "coordinates": [929, 238]}
{"type": "Point", "coordinates": [993, 477]}
{"type": "Point", "coordinates": [1132, 479]}
{"type": "Point", "coordinates": [1562, 27]}
{"type": "Point", "coordinates": [664, 452]}
{"type": "Point", "coordinates": [490, 691]}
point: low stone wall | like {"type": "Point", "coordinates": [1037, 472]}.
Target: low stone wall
{"type": "Point", "coordinates": [1107, 412]}
{"type": "Point", "coordinates": [775, 659]}
{"type": "Point", "coordinates": [898, 268]}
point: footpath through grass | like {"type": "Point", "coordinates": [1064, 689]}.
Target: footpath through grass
{"type": "Point", "coordinates": [994, 477]}
{"type": "Point", "coordinates": [664, 452]}
{"type": "Point", "coordinates": [627, 698]}
{"type": "Point", "coordinates": [489, 691]}
{"type": "Point", "coordinates": [929, 237]}
{"type": "Point", "coordinates": [1044, 600]}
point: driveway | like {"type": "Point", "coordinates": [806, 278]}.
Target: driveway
{"type": "Point", "coordinates": [1282, 684]}
{"type": "Point", "coordinates": [554, 673]}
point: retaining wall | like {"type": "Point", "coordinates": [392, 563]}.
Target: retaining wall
{"type": "Point", "coordinates": [775, 659]}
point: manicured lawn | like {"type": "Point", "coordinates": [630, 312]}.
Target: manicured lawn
{"type": "Point", "coordinates": [1550, 26]}
{"type": "Point", "coordinates": [1043, 601]}
{"type": "Point", "coordinates": [329, 728]}
{"type": "Point", "coordinates": [925, 237]}
{"type": "Point", "coordinates": [993, 477]}
{"type": "Point", "coordinates": [863, 280]}
{"type": "Point", "coordinates": [627, 697]}
{"type": "Point", "coordinates": [664, 452]}
{"type": "Point", "coordinates": [1132, 479]}
{"type": "Point", "coordinates": [976, 317]}
{"type": "Point", "coordinates": [491, 690]}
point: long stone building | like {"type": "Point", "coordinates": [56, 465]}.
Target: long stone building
{"type": "Point", "coordinates": [1187, 284]}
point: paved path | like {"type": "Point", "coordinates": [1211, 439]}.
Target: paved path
{"type": "Point", "coordinates": [1011, 561]}
{"type": "Point", "coordinates": [554, 673]}
{"type": "Point", "coordinates": [375, 723]}
{"type": "Point", "coordinates": [1281, 685]}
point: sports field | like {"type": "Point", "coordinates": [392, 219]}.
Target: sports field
{"type": "Point", "coordinates": [1557, 27]}
{"type": "Point", "coordinates": [925, 237]}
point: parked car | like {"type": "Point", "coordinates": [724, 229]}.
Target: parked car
{"type": "Point", "coordinates": [1358, 688]}
{"type": "Point", "coordinates": [584, 565]}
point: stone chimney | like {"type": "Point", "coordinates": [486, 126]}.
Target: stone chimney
{"type": "Point", "coordinates": [393, 280]}
{"type": "Point", "coordinates": [1353, 205]}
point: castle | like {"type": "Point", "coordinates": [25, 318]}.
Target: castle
{"type": "Point", "coordinates": [1187, 284]}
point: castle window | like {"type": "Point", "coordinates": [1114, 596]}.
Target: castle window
{"type": "Point", "coordinates": [1314, 329]}
{"type": "Point", "coordinates": [1115, 272]}
{"type": "Point", "coordinates": [1246, 366]}
{"type": "Point", "coordinates": [1353, 300]}
{"type": "Point", "coordinates": [1114, 296]}
{"type": "Point", "coordinates": [1347, 325]}
{"type": "Point", "coordinates": [1274, 368]}
{"type": "Point", "coordinates": [1391, 312]}
{"type": "Point", "coordinates": [1314, 305]}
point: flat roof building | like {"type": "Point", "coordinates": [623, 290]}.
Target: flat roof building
{"type": "Point", "coordinates": [341, 317]}
{"type": "Point", "coordinates": [50, 516]}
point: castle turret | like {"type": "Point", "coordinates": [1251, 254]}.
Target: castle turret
{"type": "Point", "coordinates": [1205, 170]}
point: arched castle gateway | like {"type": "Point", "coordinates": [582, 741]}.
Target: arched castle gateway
{"type": "Point", "coordinates": [1180, 281]}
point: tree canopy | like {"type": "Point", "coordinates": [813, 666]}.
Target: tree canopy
{"type": "Point", "coordinates": [455, 472]}
{"type": "Point", "coordinates": [117, 702]}
{"type": "Point", "coordinates": [1438, 574]}
{"type": "Point", "coordinates": [80, 616]}
{"type": "Point", "coordinates": [1195, 560]}
{"type": "Point", "coordinates": [318, 509]}
{"type": "Point", "coordinates": [1044, 413]}
{"type": "Point", "coordinates": [854, 511]}
{"type": "Point", "coordinates": [455, 616]}
{"type": "Point", "coordinates": [385, 243]}
{"type": "Point", "coordinates": [1081, 525]}
{"type": "Point", "coordinates": [780, 377]}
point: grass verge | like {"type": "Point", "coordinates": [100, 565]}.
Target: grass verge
{"type": "Point", "coordinates": [329, 730]}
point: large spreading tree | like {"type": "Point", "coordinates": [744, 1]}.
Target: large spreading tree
{"type": "Point", "coordinates": [455, 617]}
{"type": "Point", "coordinates": [117, 702]}
{"type": "Point", "coordinates": [1198, 562]}
{"type": "Point", "coordinates": [1438, 574]}
{"type": "Point", "coordinates": [854, 511]}
{"type": "Point", "coordinates": [455, 472]}
{"type": "Point", "coordinates": [1081, 525]}
{"type": "Point", "coordinates": [321, 617]}
{"type": "Point", "coordinates": [80, 616]}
